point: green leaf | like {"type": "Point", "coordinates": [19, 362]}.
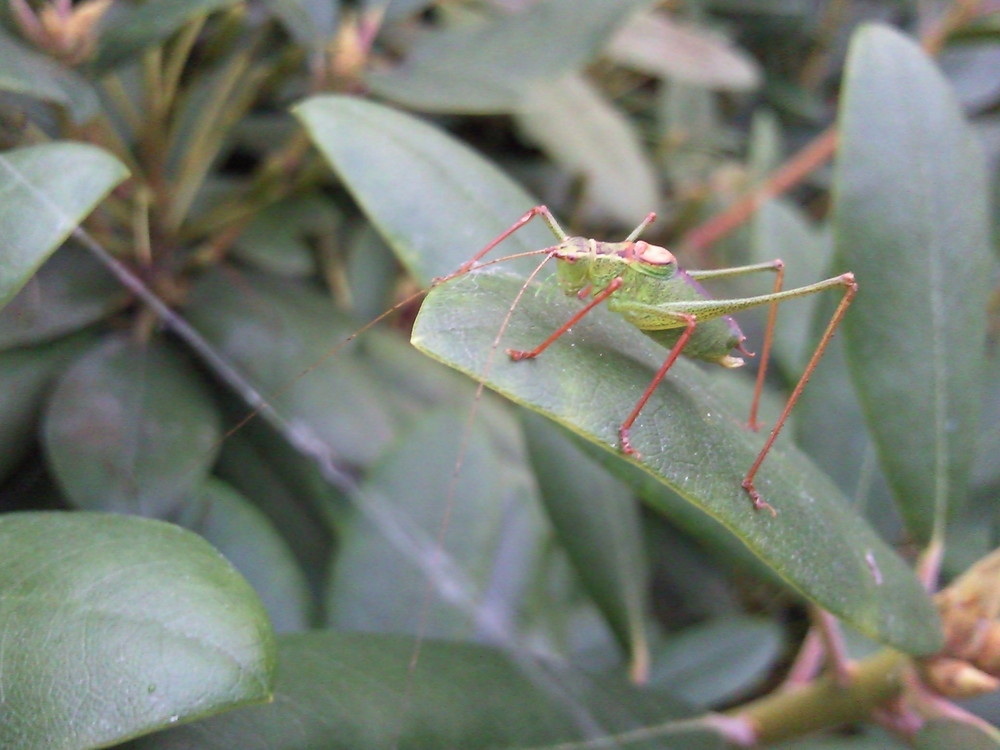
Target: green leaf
{"type": "Point", "coordinates": [712, 663]}
{"type": "Point", "coordinates": [372, 273]}
{"type": "Point", "coordinates": [690, 121]}
{"type": "Point", "coordinates": [726, 547]}
{"type": "Point", "coordinates": [130, 28]}
{"type": "Point", "coordinates": [454, 202]}
{"type": "Point", "coordinates": [830, 426]}
{"type": "Point", "coordinates": [247, 539]}
{"type": "Point", "coordinates": [279, 335]}
{"type": "Point", "coordinates": [865, 738]}
{"type": "Point", "coordinates": [47, 190]}
{"type": "Point", "coordinates": [26, 71]}
{"type": "Point", "coordinates": [781, 231]}
{"type": "Point", "coordinates": [26, 376]}
{"type": "Point", "coordinates": [258, 464]}
{"type": "Point", "coordinates": [402, 171]}
{"type": "Point", "coordinates": [310, 23]}
{"type": "Point", "coordinates": [276, 239]}
{"type": "Point", "coordinates": [484, 68]}
{"type": "Point", "coordinates": [944, 734]}
{"type": "Point", "coordinates": [351, 691]}
{"type": "Point", "coordinates": [494, 529]}
{"type": "Point", "coordinates": [116, 626]}
{"type": "Point", "coordinates": [130, 428]}
{"type": "Point", "coordinates": [597, 521]}
{"type": "Point", "coordinates": [395, 9]}
{"type": "Point", "coordinates": [655, 44]}
{"type": "Point", "coordinates": [690, 438]}
{"type": "Point", "coordinates": [589, 137]}
{"type": "Point", "coordinates": [911, 220]}
{"type": "Point", "coordinates": [71, 291]}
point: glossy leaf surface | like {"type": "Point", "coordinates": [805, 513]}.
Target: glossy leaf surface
{"type": "Point", "coordinates": [493, 533]}
{"type": "Point", "coordinates": [47, 190]}
{"type": "Point", "coordinates": [484, 68]}
{"type": "Point", "coordinates": [593, 140]}
{"type": "Point", "coordinates": [597, 521]}
{"type": "Point", "coordinates": [115, 626]}
{"type": "Point", "coordinates": [589, 381]}
{"type": "Point", "coordinates": [378, 150]}
{"type": "Point", "coordinates": [347, 691]}
{"type": "Point", "coordinates": [248, 540]}
{"type": "Point", "coordinates": [130, 428]}
{"type": "Point", "coordinates": [689, 437]}
{"type": "Point", "coordinates": [915, 231]}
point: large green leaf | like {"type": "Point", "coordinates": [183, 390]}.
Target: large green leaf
{"type": "Point", "coordinates": [246, 537]}
{"type": "Point", "coordinates": [70, 291]}
{"type": "Point", "coordinates": [690, 438]}
{"type": "Point", "coordinates": [402, 172]}
{"type": "Point", "coordinates": [484, 68]}
{"type": "Point", "coordinates": [26, 375]}
{"type": "Point", "coordinates": [655, 44]}
{"type": "Point", "coordinates": [275, 333]}
{"type": "Point", "coordinates": [589, 137]}
{"type": "Point", "coordinates": [115, 626]}
{"type": "Point", "coordinates": [493, 533]}
{"type": "Point", "coordinates": [35, 74]}
{"type": "Point", "coordinates": [716, 661]}
{"type": "Point", "coordinates": [47, 190]}
{"type": "Point", "coordinates": [944, 734]}
{"type": "Point", "coordinates": [311, 23]}
{"type": "Point", "coordinates": [130, 428]}
{"type": "Point", "coordinates": [409, 175]}
{"type": "Point", "coordinates": [911, 220]}
{"type": "Point", "coordinates": [354, 691]}
{"type": "Point", "coordinates": [597, 521]}
{"type": "Point", "coordinates": [130, 28]}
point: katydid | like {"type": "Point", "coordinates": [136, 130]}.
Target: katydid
{"type": "Point", "coordinates": [644, 284]}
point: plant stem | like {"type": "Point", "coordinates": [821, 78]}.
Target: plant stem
{"type": "Point", "coordinates": [814, 155]}
{"type": "Point", "coordinates": [825, 703]}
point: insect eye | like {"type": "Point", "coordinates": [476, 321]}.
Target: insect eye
{"type": "Point", "coordinates": [653, 254]}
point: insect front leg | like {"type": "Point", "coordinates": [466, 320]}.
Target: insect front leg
{"type": "Point", "coordinates": [542, 211]}
{"type": "Point", "coordinates": [519, 354]}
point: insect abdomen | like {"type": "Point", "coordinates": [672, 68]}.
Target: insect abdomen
{"type": "Point", "coordinates": [712, 341]}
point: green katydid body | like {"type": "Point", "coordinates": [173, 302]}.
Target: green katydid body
{"type": "Point", "coordinates": [653, 295]}
{"type": "Point", "coordinates": [643, 283]}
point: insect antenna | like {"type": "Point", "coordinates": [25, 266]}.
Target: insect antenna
{"type": "Point", "coordinates": [463, 446]}
{"type": "Point", "coordinates": [261, 405]}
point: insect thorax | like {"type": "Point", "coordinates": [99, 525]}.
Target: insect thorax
{"type": "Point", "coordinates": [590, 263]}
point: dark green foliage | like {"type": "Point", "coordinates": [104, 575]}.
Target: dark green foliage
{"type": "Point", "coordinates": [201, 201]}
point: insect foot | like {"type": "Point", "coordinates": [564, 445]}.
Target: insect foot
{"type": "Point", "coordinates": [517, 354]}
{"type": "Point", "coordinates": [759, 503]}
{"type": "Point", "coordinates": [626, 443]}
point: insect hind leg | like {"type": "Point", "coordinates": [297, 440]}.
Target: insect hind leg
{"type": "Point", "coordinates": [675, 352]}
